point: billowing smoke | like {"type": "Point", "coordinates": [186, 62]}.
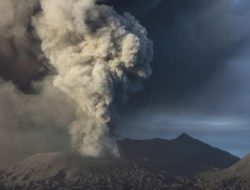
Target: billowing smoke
{"type": "Point", "coordinates": [101, 57]}
{"type": "Point", "coordinates": [28, 124]}
{"type": "Point", "coordinates": [14, 22]}
{"type": "Point", "coordinates": [21, 59]}
{"type": "Point", "coordinates": [98, 59]}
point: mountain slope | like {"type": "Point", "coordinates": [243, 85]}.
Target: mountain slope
{"type": "Point", "coordinates": [181, 156]}
{"type": "Point", "coordinates": [70, 172]}
{"type": "Point", "coordinates": [236, 177]}
{"type": "Point", "coordinates": [141, 167]}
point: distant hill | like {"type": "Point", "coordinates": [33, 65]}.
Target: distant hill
{"type": "Point", "coordinates": [181, 156]}
{"type": "Point", "coordinates": [237, 177]}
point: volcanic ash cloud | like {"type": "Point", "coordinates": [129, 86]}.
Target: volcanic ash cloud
{"type": "Point", "coordinates": [101, 58]}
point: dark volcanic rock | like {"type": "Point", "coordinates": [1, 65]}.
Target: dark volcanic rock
{"type": "Point", "coordinates": [54, 171]}
{"type": "Point", "coordinates": [181, 156]}
{"type": "Point", "coordinates": [145, 165]}
{"type": "Point", "coordinates": [236, 177]}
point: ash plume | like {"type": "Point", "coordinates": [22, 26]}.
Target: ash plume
{"type": "Point", "coordinates": [101, 58]}
{"type": "Point", "coordinates": [28, 124]}
{"type": "Point", "coordinates": [19, 50]}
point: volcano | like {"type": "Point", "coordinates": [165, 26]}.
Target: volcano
{"type": "Point", "coordinates": [72, 172]}
{"type": "Point", "coordinates": [155, 164]}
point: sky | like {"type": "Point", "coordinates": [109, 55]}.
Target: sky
{"type": "Point", "coordinates": [201, 73]}
{"type": "Point", "coordinates": [200, 82]}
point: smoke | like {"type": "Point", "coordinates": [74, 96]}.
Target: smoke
{"type": "Point", "coordinates": [15, 19]}
{"type": "Point", "coordinates": [19, 50]}
{"type": "Point", "coordinates": [98, 58]}
{"type": "Point", "coordinates": [28, 124]}
{"type": "Point", "coordinates": [101, 57]}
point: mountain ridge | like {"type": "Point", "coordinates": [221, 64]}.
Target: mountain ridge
{"type": "Point", "coordinates": [183, 155]}
{"type": "Point", "coordinates": [159, 165]}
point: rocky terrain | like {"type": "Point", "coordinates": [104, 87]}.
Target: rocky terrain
{"type": "Point", "coordinates": [137, 169]}
{"type": "Point", "coordinates": [71, 172]}
{"type": "Point", "coordinates": [237, 177]}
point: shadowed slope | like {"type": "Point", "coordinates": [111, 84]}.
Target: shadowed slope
{"type": "Point", "coordinates": [181, 156]}
{"type": "Point", "coordinates": [236, 177]}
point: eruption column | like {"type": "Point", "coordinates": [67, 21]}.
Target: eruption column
{"type": "Point", "coordinates": [101, 58]}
